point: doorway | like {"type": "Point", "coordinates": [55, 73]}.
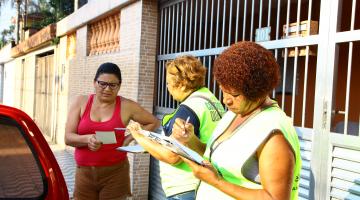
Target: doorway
{"type": "Point", "coordinates": [44, 108]}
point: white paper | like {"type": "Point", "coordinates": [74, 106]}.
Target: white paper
{"type": "Point", "coordinates": [174, 146]}
{"type": "Point", "coordinates": [106, 137]}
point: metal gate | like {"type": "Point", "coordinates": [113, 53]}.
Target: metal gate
{"type": "Point", "coordinates": [317, 46]}
{"type": "Point", "coordinates": [338, 138]}
{"type": "Point", "coordinates": [44, 109]}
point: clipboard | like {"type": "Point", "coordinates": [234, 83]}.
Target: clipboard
{"type": "Point", "coordinates": [174, 146]}
{"type": "Point", "coordinates": [132, 149]}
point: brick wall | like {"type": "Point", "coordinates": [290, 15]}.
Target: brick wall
{"type": "Point", "coordinates": [146, 89]}
{"type": "Point", "coordinates": [148, 53]}
{"type": "Point", "coordinates": [136, 59]}
{"type": "Point", "coordinates": [83, 67]}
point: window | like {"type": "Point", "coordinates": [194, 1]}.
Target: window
{"type": "Point", "coordinates": [21, 176]}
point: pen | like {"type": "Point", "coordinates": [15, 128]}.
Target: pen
{"type": "Point", "coordinates": [186, 122]}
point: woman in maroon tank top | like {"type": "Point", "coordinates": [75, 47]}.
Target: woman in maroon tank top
{"type": "Point", "coordinates": [102, 171]}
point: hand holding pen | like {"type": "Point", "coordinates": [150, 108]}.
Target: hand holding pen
{"type": "Point", "coordinates": [185, 126]}
{"type": "Point", "coordinates": [182, 130]}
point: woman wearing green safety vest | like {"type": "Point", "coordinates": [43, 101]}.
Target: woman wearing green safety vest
{"type": "Point", "coordinates": [185, 78]}
{"type": "Point", "coordinates": [254, 152]}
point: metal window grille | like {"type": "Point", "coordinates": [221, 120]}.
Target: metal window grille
{"type": "Point", "coordinates": [204, 28]}
{"type": "Point", "coordinates": [316, 44]}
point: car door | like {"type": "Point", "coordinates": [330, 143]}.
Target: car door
{"type": "Point", "coordinates": [28, 168]}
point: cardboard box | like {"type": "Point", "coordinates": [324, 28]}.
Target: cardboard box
{"type": "Point", "coordinates": [303, 29]}
{"type": "Point", "coordinates": [301, 51]}
{"type": "Point", "coordinates": [303, 32]}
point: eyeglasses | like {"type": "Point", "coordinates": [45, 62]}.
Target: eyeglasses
{"type": "Point", "coordinates": [112, 86]}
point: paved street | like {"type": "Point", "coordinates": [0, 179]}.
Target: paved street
{"type": "Point", "coordinates": [65, 158]}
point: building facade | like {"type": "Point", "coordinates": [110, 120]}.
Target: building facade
{"type": "Point", "coordinates": [59, 62]}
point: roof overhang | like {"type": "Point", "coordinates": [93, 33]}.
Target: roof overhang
{"type": "Point", "coordinates": [38, 40]}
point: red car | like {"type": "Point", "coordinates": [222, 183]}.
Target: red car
{"type": "Point", "coordinates": [28, 168]}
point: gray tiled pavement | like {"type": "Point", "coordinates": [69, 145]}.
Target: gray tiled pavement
{"type": "Point", "coordinates": [65, 159]}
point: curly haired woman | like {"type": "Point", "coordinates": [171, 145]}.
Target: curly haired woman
{"type": "Point", "coordinates": [254, 152]}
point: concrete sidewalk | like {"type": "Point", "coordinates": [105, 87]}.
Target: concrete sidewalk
{"type": "Point", "coordinates": [65, 159]}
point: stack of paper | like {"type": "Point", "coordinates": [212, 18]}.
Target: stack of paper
{"type": "Point", "coordinates": [174, 146]}
{"type": "Point", "coordinates": [132, 149]}
{"type": "Point", "coordinates": [169, 143]}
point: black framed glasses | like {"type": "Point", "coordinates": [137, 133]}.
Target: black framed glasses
{"type": "Point", "coordinates": [112, 86]}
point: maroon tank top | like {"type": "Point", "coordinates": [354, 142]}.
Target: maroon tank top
{"type": "Point", "coordinates": [107, 154]}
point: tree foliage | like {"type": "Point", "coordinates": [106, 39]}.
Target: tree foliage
{"type": "Point", "coordinates": [6, 36]}
{"type": "Point", "coordinates": [53, 11]}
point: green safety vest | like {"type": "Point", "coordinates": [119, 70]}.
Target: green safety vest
{"type": "Point", "coordinates": [230, 156]}
{"type": "Point", "coordinates": [179, 178]}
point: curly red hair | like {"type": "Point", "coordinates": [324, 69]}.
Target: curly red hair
{"type": "Point", "coordinates": [248, 68]}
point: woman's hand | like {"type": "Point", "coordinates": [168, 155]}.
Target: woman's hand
{"type": "Point", "coordinates": [128, 139]}
{"type": "Point", "coordinates": [205, 172]}
{"type": "Point", "coordinates": [93, 144]}
{"type": "Point", "coordinates": [154, 148]}
{"type": "Point", "coordinates": [182, 131]}
{"type": "Point", "coordinates": [134, 128]}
